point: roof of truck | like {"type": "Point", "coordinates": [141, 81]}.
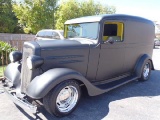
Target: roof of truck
{"type": "Point", "coordinates": [98, 18]}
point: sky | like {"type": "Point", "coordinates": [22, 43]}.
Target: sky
{"type": "Point", "coordinates": [145, 8]}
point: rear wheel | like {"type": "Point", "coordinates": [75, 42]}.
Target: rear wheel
{"type": "Point", "coordinates": [146, 71]}
{"type": "Point", "coordinates": [63, 99]}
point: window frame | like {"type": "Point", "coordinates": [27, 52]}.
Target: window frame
{"type": "Point", "coordinates": [114, 22]}
{"type": "Point", "coordinates": [98, 30]}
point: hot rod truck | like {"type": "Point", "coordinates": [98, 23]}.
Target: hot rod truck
{"type": "Point", "coordinates": [99, 53]}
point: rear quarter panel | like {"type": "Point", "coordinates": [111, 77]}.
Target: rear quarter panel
{"type": "Point", "coordinates": [138, 40]}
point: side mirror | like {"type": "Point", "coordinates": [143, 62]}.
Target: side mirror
{"type": "Point", "coordinates": [110, 40]}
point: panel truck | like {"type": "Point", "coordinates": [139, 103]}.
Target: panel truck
{"type": "Point", "coordinates": [99, 53]}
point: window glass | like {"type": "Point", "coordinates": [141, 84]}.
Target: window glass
{"type": "Point", "coordinates": [110, 30]}
{"type": "Point", "coordinates": [113, 30]}
{"type": "Point", "coordinates": [55, 35]}
{"type": "Point", "coordinates": [48, 34]}
{"type": "Point", "coordinates": [61, 32]}
{"type": "Point", "coordinates": [82, 30]}
{"type": "Point", "coordinates": [40, 34]}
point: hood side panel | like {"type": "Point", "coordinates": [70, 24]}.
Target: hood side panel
{"type": "Point", "coordinates": [73, 57]}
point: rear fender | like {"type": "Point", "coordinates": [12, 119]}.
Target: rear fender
{"type": "Point", "coordinates": [41, 85]}
{"type": "Point", "coordinates": [140, 63]}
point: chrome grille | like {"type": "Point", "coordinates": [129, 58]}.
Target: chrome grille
{"type": "Point", "coordinates": [26, 74]}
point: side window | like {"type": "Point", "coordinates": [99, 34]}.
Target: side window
{"type": "Point", "coordinates": [113, 30]}
{"type": "Point", "coordinates": [40, 34]}
{"type": "Point", "coordinates": [48, 34]}
{"type": "Point", "coordinates": [55, 35]}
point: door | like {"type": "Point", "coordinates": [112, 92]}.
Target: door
{"type": "Point", "coordinates": [112, 55]}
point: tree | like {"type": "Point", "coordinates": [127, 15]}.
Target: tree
{"type": "Point", "coordinates": [8, 21]}
{"type": "Point", "coordinates": [67, 10]}
{"type": "Point", "coordinates": [72, 9]}
{"type": "Point", "coordinates": [91, 8]}
{"type": "Point", "coordinates": [35, 15]}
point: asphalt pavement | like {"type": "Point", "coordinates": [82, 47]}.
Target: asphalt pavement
{"type": "Point", "coordinates": [133, 101]}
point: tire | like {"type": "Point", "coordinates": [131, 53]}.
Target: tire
{"type": "Point", "coordinates": [146, 71]}
{"type": "Point", "coordinates": [63, 99]}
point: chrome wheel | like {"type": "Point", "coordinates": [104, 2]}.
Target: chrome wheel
{"type": "Point", "coordinates": [146, 70]}
{"type": "Point", "coordinates": [67, 98]}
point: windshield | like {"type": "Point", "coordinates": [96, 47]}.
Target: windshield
{"type": "Point", "coordinates": [82, 30]}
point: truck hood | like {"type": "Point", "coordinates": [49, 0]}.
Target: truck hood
{"type": "Point", "coordinates": [64, 43]}
{"type": "Point", "coordinates": [71, 54]}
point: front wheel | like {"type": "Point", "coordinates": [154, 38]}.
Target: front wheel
{"type": "Point", "coordinates": [63, 99]}
{"type": "Point", "coordinates": [146, 71]}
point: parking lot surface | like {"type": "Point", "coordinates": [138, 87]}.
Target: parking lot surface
{"type": "Point", "coordinates": [133, 101]}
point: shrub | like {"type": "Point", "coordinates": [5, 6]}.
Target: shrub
{"type": "Point", "coordinates": [5, 49]}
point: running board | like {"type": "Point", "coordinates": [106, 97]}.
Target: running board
{"type": "Point", "coordinates": [114, 84]}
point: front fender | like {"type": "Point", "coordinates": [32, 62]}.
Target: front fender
{"type": "Point", "coordinates": [13, 73]}
{"type": "Point", "coordinates": [41, 85]}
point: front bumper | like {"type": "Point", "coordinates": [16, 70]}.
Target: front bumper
{"type": "Point", "coordinates": [22, 102]}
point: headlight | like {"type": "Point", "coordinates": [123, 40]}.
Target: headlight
{"type": "Point", "coordinates": [15, 56]}
{"type": "Point", "coordinates": [34, 62]}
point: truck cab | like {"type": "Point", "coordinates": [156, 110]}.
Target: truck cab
{"type": "Point", "coordinates": [99, 53]}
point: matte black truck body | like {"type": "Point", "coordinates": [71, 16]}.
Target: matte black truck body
{"type": "Point", "coordinates": [116, 56]}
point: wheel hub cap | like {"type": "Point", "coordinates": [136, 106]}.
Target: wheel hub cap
{"type": "Point", "coordinates": [64, 95]}
{"type": "Point", "coordinates": [146, 70]}
{"type": "Point", "coordinates": [67, 99]}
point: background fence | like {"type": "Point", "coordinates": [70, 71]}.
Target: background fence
{"type": "Point", "coordinates": [7, 36]}
{"type": "Point", "coordinates": [16, 43]}
{"type": "Point", "coordinates": [16, 40]}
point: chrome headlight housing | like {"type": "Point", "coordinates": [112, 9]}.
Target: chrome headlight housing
{"type": "Point", "coordinates": [29, 63]}
{"type": "Point", "coordinates": [15, 56]}
{"type": "Point", "coordinates": [34, 62]}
